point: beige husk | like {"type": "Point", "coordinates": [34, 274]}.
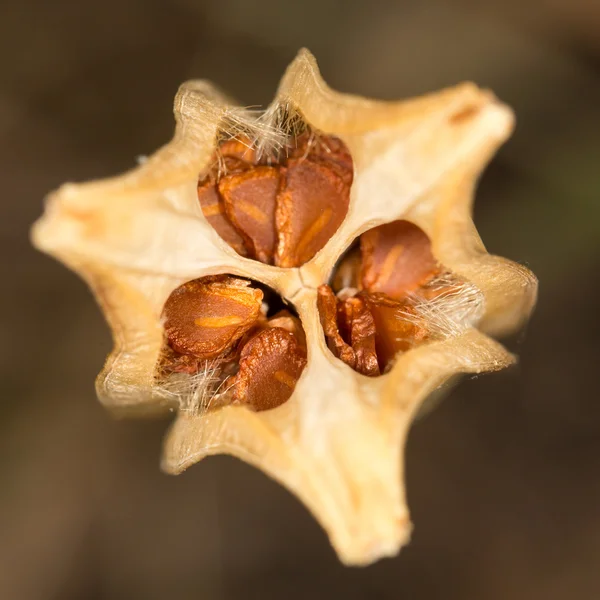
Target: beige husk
{"type": "Point", "coordinates": [338, 442]}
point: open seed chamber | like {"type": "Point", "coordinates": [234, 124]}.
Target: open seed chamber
{"type": "Point", "coordinates": [296, 282]}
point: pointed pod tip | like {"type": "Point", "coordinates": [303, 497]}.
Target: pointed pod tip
{"type": "Point", "coordinates": [304, 54]}
{"type": "Point", "coordinates": [364, 551]}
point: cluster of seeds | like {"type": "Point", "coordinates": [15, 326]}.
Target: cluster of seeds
{"type": "Point", "coordinates": [281, 211]}
{"type": "Point", "coordinates": [220, 322]}
{"type": "Point", "coordinates": [372, 312]}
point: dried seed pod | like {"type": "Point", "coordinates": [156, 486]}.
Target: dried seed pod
{"type": "Point", "coordinates": [335, 442]}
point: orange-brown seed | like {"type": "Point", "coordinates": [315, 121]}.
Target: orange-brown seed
{"type": "Point", "coordinates": [286, 320]}
{"type": "Point", "coordinates": [214, 211]}
{"type": "Point", "coordinates": [240, 148]}
{"type": "Point", "coordinates": [206, 317]}
{"type": "Point", "coordinates": [249, 198]}
{"type": "Point", "coordinates": [270, 365]}
{"type": "Point", "coordinates": [396, 259]}
{"type": "Point", "coordinates": [397, 327]}
{"type": "Point", "coordinates": [356, 319]}
{"type": "Point", "coordinates": [327, 150]}
{"type": "Point", "coordinates": [327, 305]}
{"type": "Point", "coordinates": [311, 206]}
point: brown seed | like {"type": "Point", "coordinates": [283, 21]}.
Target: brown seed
{"type": "Point", "coordinates": [286, 320]}
{"type": "Point", "coordinates": [396, 259]}
{"type": "Point", "coordinates": [249, 199]}
{"type": "Point", "coordinates": [231, 165]}
{"type": "Point", "coordinates": [240, 148]}
{"type": "Point", "coordinates": [356, 319]}
{"type": "Point", "coordinates": [327, 150]}
{"type": "Point", "coordinates": [270, 365]}
{"type": "Point", "coordinates": [327, 305]}
{"type": "Point", "coordinates": [332, 151]}
{"type": "Point", "coordinates": [397, 327]}
{"type": "Point", "coordinates": [311, 205]}
{"type": "Point", "coordinates": [206, 317]}
{"type": "Point", "coordinates": [214, 211]}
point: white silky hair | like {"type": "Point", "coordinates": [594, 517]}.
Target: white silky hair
{"type": "Point", "coordinates": [457, 306]}
{"type": "Point", "coordinates": [196, 393]}
{"type": "Point", "coordinates": [269, 132]}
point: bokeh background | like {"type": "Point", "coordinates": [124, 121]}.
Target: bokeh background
{"type": "Point", "coordinates": [503, 478]}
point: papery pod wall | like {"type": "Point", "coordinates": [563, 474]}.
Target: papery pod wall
{"type": "Point", "coordinates": [337, 443]}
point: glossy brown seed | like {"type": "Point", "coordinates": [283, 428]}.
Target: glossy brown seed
{"type": "Point", "coordinates": [229, 165]}
{"type": "Point", "coordinates": [333, 152]}
{"type": "Point", "coordinates": [327, 150]}
{"type": "Point", "coordinates": [356, 319]}
{"type": "Point", "coordinates": [249, 199]}
{"type": "Point", "coordinates": [397, 327]}
{"type": "Point", "coordinates": [328, 305]}
{"type": "Point", "coordinates": [206, 317]}
{"type": "Point", "coordinates": [214, 211]}
{"type": "Point", "coordinates": [286, 320]}
{"type": "Point", "coordinates": [240, 148]}
{"type": "Point", "coordinates": [311, 205]}
{"type": "Point", "coordinates": [270, 365]}
{"type": "Point", "coordinates": [396, 259]}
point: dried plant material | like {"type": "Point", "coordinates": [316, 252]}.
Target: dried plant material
{"type": "Point", "coordinates": [311, 206]}
{"type": "Point", "coordinates": [270, 366]}
{"type": "Point", "coordinates": [204, 387]}
{"type": "Point", "coordinates": [284, 213]}
{"type": "Point", "coordinates": [357, 320]}
{"type": "Point", "coordinates": [172, 361]}
{"type": "Point", "coordinates": [396, 259]}
{"type": "Point", "coordinates": [286, 320]}
{"type": "Point", "coordinates": [328, 307]}
{"type": "Point", "coordinates": [240, 149]}
{"type": "Point", "coordinates": [398, 327]}
{"type": "Point", "coordinates": [418, 303]}
{"type": "Point", "coordinates": [327, 150]}
{"type": "Point", "coordinates": [213, 208]}
{"type": "Point", "coordinates": [249, 199]}
{"type": "Point", "coordinates": [447, 304]}
{"type": "Point", "coordinates": [335, 441]}
{"type": "Point", "coordinates": [206, 317]}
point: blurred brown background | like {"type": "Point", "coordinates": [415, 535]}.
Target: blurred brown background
{"type": "Point", "coordinates": [503, 479]}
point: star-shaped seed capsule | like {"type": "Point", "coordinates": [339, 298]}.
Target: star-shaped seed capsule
{"type": "Point", "coordinates": [296, 282]}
